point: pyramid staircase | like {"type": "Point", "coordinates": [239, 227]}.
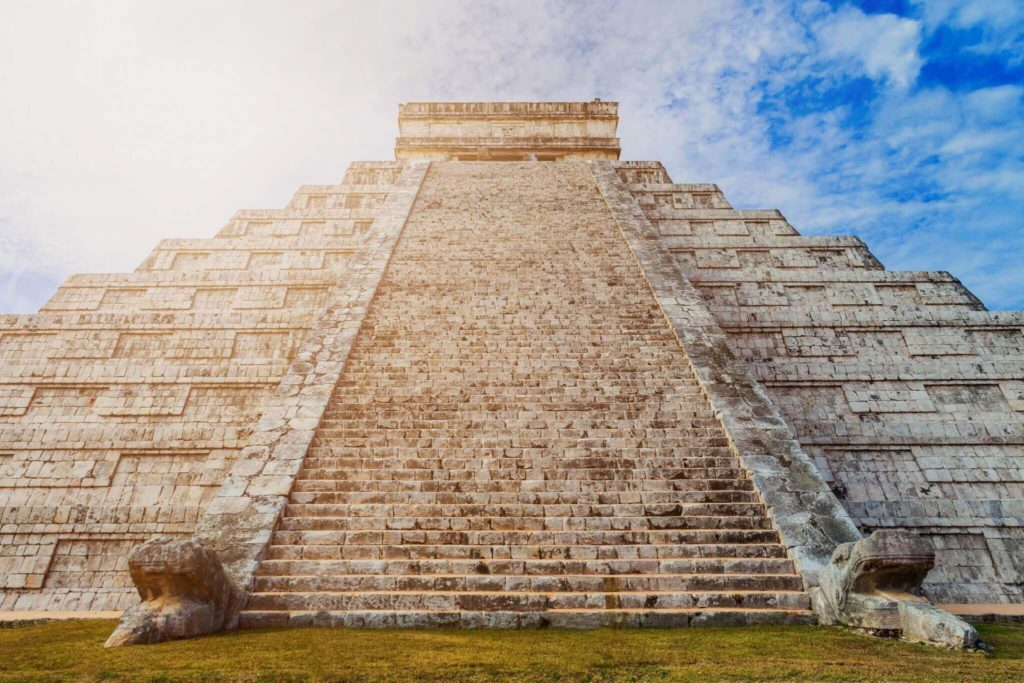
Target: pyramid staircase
{"type": "Point", "coordinates": [518, 439]}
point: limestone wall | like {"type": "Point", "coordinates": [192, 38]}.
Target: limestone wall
{"type": "Point", "coordinates": [126, 399]}
{"type": "Point", "coordinates": [905, 390]}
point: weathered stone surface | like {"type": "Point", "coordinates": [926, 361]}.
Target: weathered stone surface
{"type": "Point", "coordinates": [874, 584]}
{"type": "Point", "coordinates": [184, 592]}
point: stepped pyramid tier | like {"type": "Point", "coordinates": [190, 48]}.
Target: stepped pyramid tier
{"type": "Point", "coordinates": [508, 380]}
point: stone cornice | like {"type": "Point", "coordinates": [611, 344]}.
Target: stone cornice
{"type": "Point", "coordinates": [593, 109]}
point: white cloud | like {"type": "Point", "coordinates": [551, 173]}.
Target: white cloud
{"type": "Point", "coordinates": [884, 45]}
{"type": "Point", "coordinates": [1000, 23]}
{"type": "Point", "coordinates": [968, 13]}
{"type": "Point", "coordinates": [996, 104]}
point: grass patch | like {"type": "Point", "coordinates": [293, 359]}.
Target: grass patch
{"type": "Point", "coordinates": [73, 651]}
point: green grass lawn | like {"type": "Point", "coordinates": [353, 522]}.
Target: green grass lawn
{"type": "Point", "coordinates": [73, 651]}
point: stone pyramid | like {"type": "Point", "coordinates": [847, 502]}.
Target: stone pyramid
{"type": "Point", "coordinates": [510, 380]}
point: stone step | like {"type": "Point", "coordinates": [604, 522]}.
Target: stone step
{"type": "Point", "coordinates": [489, 442]}
{"type": "Point", "coordinates": [530, 356]}
{"type": "Point", "coordinates": [759, 543]}
{"type": "Point", "coordinates": [581, 356]}
{"type": "Point", "coordinates": [449, 340]}
{"type": "Point", "coordinates": [548, 510]}
{"type": "Point", "coordinates": [356, 388]}
{"type": "Point", "coordinates": [601, 387]}
{"type": "Point", "coordinates": [615, 413]}
{"type": "Point", "coordinates": [422, 551]}
{"type": "Point", "coordinates": [682, 437]}
{"type": "Point", "coordinates": [685, 401]}
{"type": "Point", "coordinates": [605, 377]}
{"type": "Point", "coordinates": [560, 584]}
{"type": "Point", "coordinates": [509, 601]}
{"type": "Point", "coordinates": [613, 416]}
{"type": "Point", "coordinates": [528, 567]}
{"type": "Point", "coordinates": [675, 474]}
{"type": "Point", "coordinates": [300, 523]}
{"type": "Point", "coordinates": [415, 406]}
{"type": "Point", "coordinates": [316, 466]}
{"type": "Point", "coordinates": [507, 392]}
{"type": "Point", "coordinates": [326, 453]}
{"type": "Point", "coordinates": [567, 486]}
{"type": "Point", "coordinates": [533, 352]}
{"type": "Point", "coordinates": [322, 492]}
{"type": "Point", "coordinates": [574, 619]}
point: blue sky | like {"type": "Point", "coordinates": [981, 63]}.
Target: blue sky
{"type": "Point", "coordinates": [899, 121]}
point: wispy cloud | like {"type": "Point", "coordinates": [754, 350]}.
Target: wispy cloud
{"type": "Point", "coordinates": [885, 46]}
{"type": "Point", "coordinates": [127, 123]}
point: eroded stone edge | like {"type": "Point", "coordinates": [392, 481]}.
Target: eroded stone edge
{"type": "Point", "coordinates": [238, 523]}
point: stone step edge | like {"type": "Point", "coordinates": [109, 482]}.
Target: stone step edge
{"type": "Point", "coordinates": [515, 517]}
{"type": "Point", "coordinates": [528, 593]}
{"type": "Point", "coordinates": [558, 618]}
{"type": "Point", "coordinates": [560, 575]}
{"type": "Point", "coordinates": [409, 544]}
{"type": "Point", "coordinates": [532, 559]}
{"type": "Point", "coordinates": [423, 546]}
{"type": "Point", "coordinates": [529, 577]}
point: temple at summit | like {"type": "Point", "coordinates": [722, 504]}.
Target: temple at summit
{"type": "Point", "coordinates": [507, 379]}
